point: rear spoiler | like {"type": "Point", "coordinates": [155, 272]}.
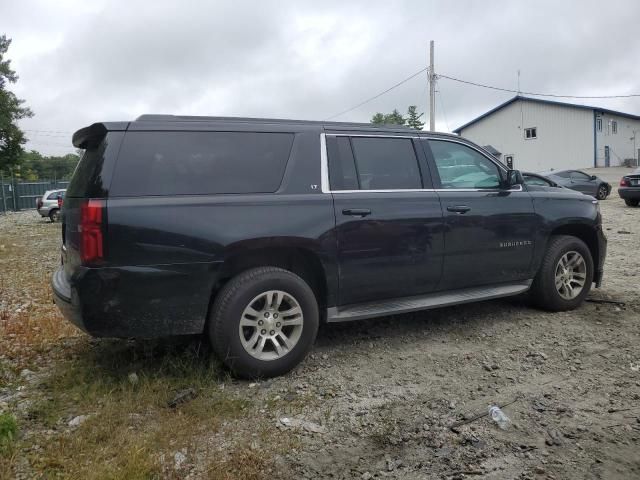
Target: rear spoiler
{"type": "Point", "coordinates": [92, 135]}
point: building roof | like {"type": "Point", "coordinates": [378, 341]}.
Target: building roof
{"type": "Point", "coordinates": [548, 102]}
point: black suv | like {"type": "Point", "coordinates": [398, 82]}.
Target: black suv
{"type": "Point", "coordinates": [253, 231]}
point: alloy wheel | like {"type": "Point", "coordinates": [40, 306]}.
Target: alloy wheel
{"type": "Point", "coordinates": [271, 325]}
{"type": "Point", "coordinates": [570, 275]}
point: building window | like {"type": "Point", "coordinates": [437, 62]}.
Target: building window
{"type": "Point", "coordinates": [614, 127]}
{"type": "Point", "coordinates": [530, 133]}
{"type": "Point", "coordinates": [599, 124]}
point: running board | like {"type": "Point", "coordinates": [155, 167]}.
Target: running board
{"type": "Point", "coordinates": [424, 302]}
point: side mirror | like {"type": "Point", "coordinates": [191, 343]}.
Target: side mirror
{"type": "Point", "coordinates": [514, 177]}
{"type": "Point", "coordinates": [593, 177]}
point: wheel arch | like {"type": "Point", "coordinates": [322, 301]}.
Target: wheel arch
{"type": "Point", "coordinates": [586, 233]}
{"type": "Point", "coordinates": [298, 259]}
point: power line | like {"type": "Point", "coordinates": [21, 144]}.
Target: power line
{"type": "Point", "coordinates": [378, 95]}
{"type": "Point", "coordinates": [47, 131]}
{"type": "Point", "coordinates": [475, 84]}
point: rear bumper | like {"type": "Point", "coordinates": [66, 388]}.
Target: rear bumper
{"type": "Point", "coordinates": [602, 251]}
{"type": "Point", "coordinates": [136, 302]}
{"type": "Point", "coordinates": [629, 193]}
{"type": "Point", "coordinates": [66, 299]}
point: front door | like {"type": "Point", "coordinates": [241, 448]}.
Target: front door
{"type": "Point", "coordinates": [489, 231]}
{"type": "Point", "coordinates": [389, 228]}
{"type": "Point", "coordinates": [583, 183]}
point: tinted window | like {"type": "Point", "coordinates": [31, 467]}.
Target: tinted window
{"type": "Point", "coordinates": [462, 167]}
{"type": "Point", "coordinates": [386, 163]}
{"type": "Point", "coordinates": [55, 195]}
{"type": "Point", "coordinates": [93, 172]}
{"type": "Point", "coordinates": [342, 169]}
{"type": "Point", "coordinates": [531, 180]}
{"type": "Point", "coordinates": [580, 176]}
{"type": "Point", "coordinates": [561, 174]}
{"type": "Point", "coordinates": [177, 163]}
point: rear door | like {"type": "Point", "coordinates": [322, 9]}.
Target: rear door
{"type": "Point", "coordinates": [489, 231]}
{"type": "Point", "coordinates": [388, 218]}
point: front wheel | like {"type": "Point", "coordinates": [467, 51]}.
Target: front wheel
{"type": "Point", "coordinates": [263, 322]}
{"type": "Point", "coordinates": [565, 276]}
{"type": "Point", "coordinates": [631, 202]}
{"type": "Point", "coordinates": [603, 192]}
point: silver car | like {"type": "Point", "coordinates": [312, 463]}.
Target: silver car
{"type": "Point", "coordinates": [49, 204]}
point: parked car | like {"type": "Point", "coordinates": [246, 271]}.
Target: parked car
{"type": "Point", "coordinates": [580, 181]}
{"type": "Point", "coordinates": [255, 231]}
{"type": "Point", "coordinates": [50, 203]}
{"type": "Point", "coordinates": [537, 180]}
{"type": "Point", "coordinates": [629, 189]}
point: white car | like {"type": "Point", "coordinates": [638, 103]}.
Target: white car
{"type": "Point", "coordinates": [50, 203]}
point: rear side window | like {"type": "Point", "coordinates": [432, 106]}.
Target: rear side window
{"type": "Point", "coordinates": [181, 163]}
{"type": "Point", "coordinates": [55, 195]}
{"type": "Point", "coordinates": [93, 172]}
{"type": "Point", "coordinates": [342, 167]}
{"type": "Point", "coordinates": [386, 163]}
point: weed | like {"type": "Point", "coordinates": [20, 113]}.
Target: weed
{"type": "Point", "coordinates": [8, 431]}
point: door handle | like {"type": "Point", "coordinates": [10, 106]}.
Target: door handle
{"type": "Point", "coordinates": [356, 212]}
{"type": "Point", "coordinates": [458, 208]}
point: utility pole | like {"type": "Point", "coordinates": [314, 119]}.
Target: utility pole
{"type": "Point", "coordinates": [432, 91]}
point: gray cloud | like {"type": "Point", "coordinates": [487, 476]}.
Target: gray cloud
{"type": "Point", "coordinates": [81, 62]}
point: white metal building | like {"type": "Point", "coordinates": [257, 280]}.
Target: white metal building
{"type": "Point", "coordinates": [536, 135]}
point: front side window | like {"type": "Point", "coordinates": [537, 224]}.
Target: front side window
{"type": "Point", "coordinates": [530, 133]}
{"type": "Point", "coordinates": [579, 176]}
{"type": "Point", "coordinates": [460, 166]}
{"type": "Point", "coordinates": [386, 163]}
{"type": "Point", "coordinates": [534, 180]}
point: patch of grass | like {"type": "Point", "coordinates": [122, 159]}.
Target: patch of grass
{"type": "Point", "coordinates": [8, 431]}
{"type": "Point", "coordinates": [130, 424]}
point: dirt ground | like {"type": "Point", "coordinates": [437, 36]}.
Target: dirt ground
{"type": "Point", "coordinates": [375, 399]}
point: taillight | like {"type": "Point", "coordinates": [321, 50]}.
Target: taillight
{"type": "Point", "coordinates": [624, 182]}
{"type": "Point", "coordinates": [59, 202]}
{"type": "Point", "coordinates": [90, 228]}
{"type": "Point", "coordinates": [39, 204]}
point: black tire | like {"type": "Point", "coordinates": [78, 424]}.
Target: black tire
{"type": "Point", "coordinates": [544, 293]}
{"type": "Point", "coordinates": [631, 202]}
{"type": "Point", "coordinates": [54, 215]}
{"type": "Point", "coordinates": [603, 192]}
{"type": "Point", "coordinates": [227, 310]}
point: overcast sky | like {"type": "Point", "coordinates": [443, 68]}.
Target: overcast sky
{"type": "Point", "coordinates": [80, 62]}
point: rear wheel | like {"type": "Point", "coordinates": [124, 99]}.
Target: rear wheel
{"type": "Point", "coordinates": [631, 202]}
{"type": "Point", "coordinates": [565, 276]}
{"type": "Point", "coordinates": [54, 215]}
{"type": "Point", "coordinates": [603, 192]}
{"type": "Point", "coordinates": [263, 322]}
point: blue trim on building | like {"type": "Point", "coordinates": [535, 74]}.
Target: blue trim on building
{"type": "Point", "coordinates": [548, 102]}
{"type": "Point", "coordinates": [595, 141]}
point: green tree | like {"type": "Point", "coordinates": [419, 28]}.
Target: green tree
{"type": "Point", "coordinates": [393, 118]}
{"type": "Point", "coordinates": [413, 118]}
{"type": "Point", "coordinates": [35, 166]}
{"type": "Point", "coordinates": [11, 110]}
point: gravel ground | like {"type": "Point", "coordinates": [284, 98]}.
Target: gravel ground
{"type": "Point", "coordinates": [382, 398]}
